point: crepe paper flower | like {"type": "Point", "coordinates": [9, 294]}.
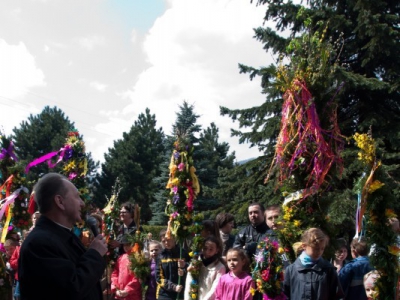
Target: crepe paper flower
{"type": "Point", "coordinates": [176, 154]}
{"type": "Point", "coordinates": [297, 223]}
{"type": "Point", "coordinates": [174, 215]}
{"type": "Point", "coordinates": [71, 175]}
{"type": "Point", "coordinates": [394, 250]}
{"type": "Point", "coordinates": [259, 257]}
{"type": "Point", "coordinates": [375, 185]}
{"type": "Point", "coordinates": [268, 271]}
{"type": "Point", "coordinates": [275, 244]}
{"type": "Point", "coordinates": [265, 275]}
{"type": "Point", "coordinates": [176, 199]}
{"type": "Point", "coordinates": [181, 167]}
{"type": "Point", "coordinates": [389, 213]}
{"type": "Point", "coordinates": [175, 189]}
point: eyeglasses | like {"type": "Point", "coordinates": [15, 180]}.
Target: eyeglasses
{"type": "Point", "coordinates": [123, 212]}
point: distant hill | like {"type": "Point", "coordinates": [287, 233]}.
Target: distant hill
{"type": "Point", "coordinates": [242, 162]}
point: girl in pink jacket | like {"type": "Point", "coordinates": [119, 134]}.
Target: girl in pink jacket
{"type": "Point", "coordinates": [123, 281]}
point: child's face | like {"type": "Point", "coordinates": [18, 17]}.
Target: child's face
{"type": "Point", "coordinates": [35, 217]}
{"type": "Point", "coordinates": [154, 250]}
{"type": "Point", "coordinates": [370, 291]}
{"type": "Point", "coordinates": [235, 262]}
{"type": "Point", "coordinates": [127, 247]}
{"type": "Point", "coordinates": [9, 250]}
{"type": "Point", "coordinates": [168, 243]}
{"type": "Point", "coordinates": [209, 249]}
{"type": "Point", "coordinates": [315, 251]}
{"type": "Point", "coordinates": [341, 254]}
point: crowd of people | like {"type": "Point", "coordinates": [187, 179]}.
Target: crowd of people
{"type": "Point", "coordinates": [53, 263]}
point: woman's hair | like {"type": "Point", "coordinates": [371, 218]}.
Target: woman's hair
{"type": "Point", "coordinates": [297, 248]}
{"type": "Point", "coordinates": [211, 227]}
{"type": "Point", "coordinates": [216, 241]}
{"type": "Point", "coordinates": [129, 207]}
{"type": "Point", "coordinates": [314, 237]}
{"type": "Point", "coordinates": [162, 233]}
{"type": "Point", "coordinates": [243, 256]}
{"type": "Point", "coordinates": [340, 243]}
{"type": "Point", "coordinates": [224, 218]}
{"type": "Point", "coordinates": [98, 218]}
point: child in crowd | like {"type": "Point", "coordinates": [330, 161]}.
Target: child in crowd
{"type": "Point", "coordinates": [351, 276]}
{"type": "Point", "coordinates": [340, 255]}
{"type": "Point", "coordinates": [14, 265]}
{"type": "Point", "coordinates": [154, 249]}
{"type": "Point", "coordinates": [237, 283]}
{"type": "Point", "coordinates": [171, 269]}
{"type": "Point", "coordinates": [226, 223]}
{"type": "Point", "coordinates": [123, 281]}
{"type": "Point", "coordinates": [35, 217]}
{"type": "Point", "coordinates": [310, 276]}
{"type": "Point", "coordinates": [211, 270]}
{"type": "Point", "coordinates": [369, 284]}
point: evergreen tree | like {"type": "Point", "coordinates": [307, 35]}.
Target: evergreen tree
{"type": "Point", "coordinates": [346, 52]}
{"type": "Point", "coordinates": [41, 134]}
{"type": "Point", "coordinates": [159, 217]}
{"type": "Point", "coordinates": [212, 156]}
{"type": "Point", "coordinates": [209, 156]}
{"type": "Point", "coordinates": [135, 160]}
{"type": "Point", "coordinates": [366, 37]}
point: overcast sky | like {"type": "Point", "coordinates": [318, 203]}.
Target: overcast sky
{"type": "Point", "coordinates": [103, 62]}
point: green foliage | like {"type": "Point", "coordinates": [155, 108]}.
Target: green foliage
{"type": "Point", "coordinates": [209, 155]}
{"type": "Point", "coordinates": [154, 230]}
{"type": "Point", "coordinates": [135, 160]}
{"type": "Point", "coordinates": [335, 42]}
{"type": "Point", "coordinates": [39, 135]}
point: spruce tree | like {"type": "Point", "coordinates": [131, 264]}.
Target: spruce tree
{"type": "Point", "coordinates": [360, 74]}
{"type": "Point", "coordinates": [43, 133]}
{"type": "Point", "coordinates": [135, 160]}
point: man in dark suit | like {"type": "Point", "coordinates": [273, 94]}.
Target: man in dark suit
{"type": "Point", "coordinates": [251, 235]}
{"type": "Point", "coordinates": [53, 263]}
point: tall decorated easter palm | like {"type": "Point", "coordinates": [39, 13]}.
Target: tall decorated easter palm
{"type": "Point", "coordinates": [183, 188]}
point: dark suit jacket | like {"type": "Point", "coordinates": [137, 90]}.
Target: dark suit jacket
{"type": "Point", "coordinates": [53, 264]}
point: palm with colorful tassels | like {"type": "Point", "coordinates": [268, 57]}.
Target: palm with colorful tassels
{"type": "Point", "coordinates": [74, 162]}
{"type": "Point", "coordinates": [13, 191]}
{"type": "Point", "coordinates": [140, 263]}
{"type": "Point", "coordinates": [110, 223]}
{"type": "Point", "coordinates": [184, 187]}
{"type": "Point", "coordinates": [375, 210]}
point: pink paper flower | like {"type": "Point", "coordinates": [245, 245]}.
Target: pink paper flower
{"type": "Point", "coordinates": [181, 166]}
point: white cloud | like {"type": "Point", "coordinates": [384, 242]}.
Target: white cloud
{"type": "Point", "coordinates": [194, 57]}
{"type": "Point", "coordinates": [18, 71]}
{"type": "Point", "coordinates": [89, 43]}
{"type": "Point", "coordinates": [98, 86]}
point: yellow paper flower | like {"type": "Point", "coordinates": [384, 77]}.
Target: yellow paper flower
{"type": "Point", "coordinates": [297, 223]}
{"type": "Point", "coordinates": [375, 185]}
{"type": "Point", "coordinates": [252, 291]}
{"type": "Point", "coordinates": [389, 213]}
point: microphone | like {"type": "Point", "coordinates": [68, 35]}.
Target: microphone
{"type": "Point", "coordinates": [92, 224]}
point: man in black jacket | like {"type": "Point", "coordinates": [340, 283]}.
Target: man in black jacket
{"type": "Point", "coordinates": [53, 263]}
{"type": "Point", "coordinates": [249, 236]}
